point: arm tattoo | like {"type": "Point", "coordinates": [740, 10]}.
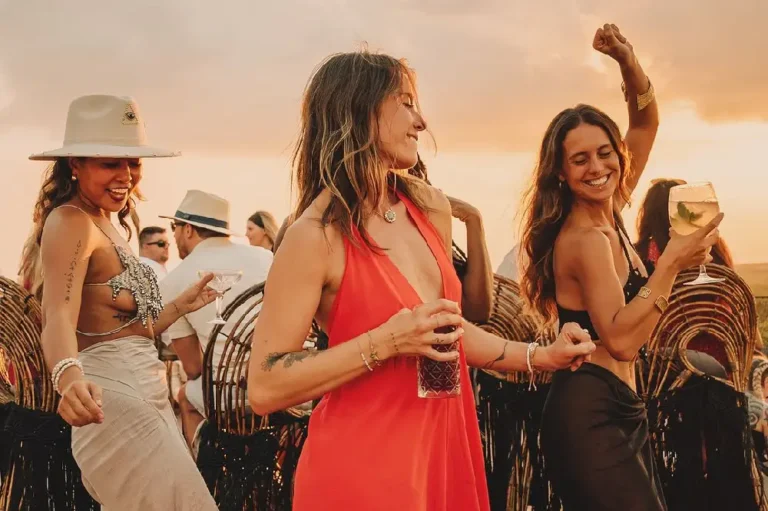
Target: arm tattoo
{"type": "Point", "coordinates": [123, 317]}
{"type": "Point", "coordinates": [288, 359]}
{"type": "Point", "coordinates": [270, 361]}
{"type": "Point", "coordinates": [501, 357]}
{"type": "Point", "coordinates": [70, 275]}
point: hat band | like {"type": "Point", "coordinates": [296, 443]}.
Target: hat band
{"type": "Point", "coordinates": [213, 222]}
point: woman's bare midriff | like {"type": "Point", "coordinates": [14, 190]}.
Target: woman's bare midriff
{"type": "Point", "coordinates": [625, 371]}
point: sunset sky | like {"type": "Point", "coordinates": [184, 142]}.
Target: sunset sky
{"type": "Point", "coordinates": [222, 82]}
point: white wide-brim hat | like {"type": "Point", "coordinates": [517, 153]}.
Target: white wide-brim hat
{"type": "Point", "coordinates": [203, 209]}
{"type": "Point", "coordinates": [102, 126]}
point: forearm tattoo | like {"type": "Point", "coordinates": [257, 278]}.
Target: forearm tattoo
{"type": "Point", "coordinates": [501, 357]}
{"type": "Point", "coordinates": [288, 359]}
{"type": "Point", "coordinates": [70, 275]}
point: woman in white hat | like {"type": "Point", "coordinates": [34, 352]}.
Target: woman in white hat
{"type": "Point", "coordinates": [101, 310]}
{"type": "Point", "coordinates": [368, 257]}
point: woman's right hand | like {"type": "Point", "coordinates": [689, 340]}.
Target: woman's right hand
{"type": "Point", "coordinates": [80, 403]}
{"type": "Point", "coordinates": [684, 252]}
{"type": "Point", "coordinates": [413, 332]}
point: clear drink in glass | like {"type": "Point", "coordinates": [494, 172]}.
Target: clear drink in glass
{"type": "Point", "coordinates": [691, 207]}
{"type": "Point", "coordinates": [222, 281]}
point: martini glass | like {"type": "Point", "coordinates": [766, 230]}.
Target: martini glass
{"type": "Point", "coordinates": [222, 281]}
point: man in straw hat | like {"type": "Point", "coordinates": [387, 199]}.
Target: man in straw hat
{"type": "Point", "coordinates": [102, 309]}
{"type": "Point", "coordinates": [201, 228]}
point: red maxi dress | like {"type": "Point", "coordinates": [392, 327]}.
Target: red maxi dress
{"type": "Point", "coordinates": [372, 443]}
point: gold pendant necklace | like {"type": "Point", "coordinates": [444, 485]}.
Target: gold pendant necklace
{"type": "Point", "coordinates": [390, 216]}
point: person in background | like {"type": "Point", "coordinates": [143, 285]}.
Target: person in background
{"type": "Point", "coordinates": [261, 230]}
{"type": "Point", "coordinates": [154, 248]}
{"type": "Point", "coordinates": [653, 226]}
{"type": "Point", "coordinates": [510, 265]}
{"type": "Point", "coordinates": [201, 229]}
{"type": "Point", "coordinates": [477, 281]}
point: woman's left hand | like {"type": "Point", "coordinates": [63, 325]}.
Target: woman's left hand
{"type": "Point", "coordinates": [572, 348]}
{"type": "Point", "coordinates": [196, 296]}
{"type": "Point", "coordinates": [608, 40]}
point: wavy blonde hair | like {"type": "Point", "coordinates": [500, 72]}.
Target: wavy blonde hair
{"type": "Point", "coordinates": [548, 203]}
{"type": "Point", "coordinates": [337, 148]}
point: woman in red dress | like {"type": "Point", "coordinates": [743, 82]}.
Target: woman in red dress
{"type": "Point", "coordinates": [368, 257]}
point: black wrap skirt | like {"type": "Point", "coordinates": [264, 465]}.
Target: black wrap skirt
{"type": "Point", "coordinates": [596, 446]}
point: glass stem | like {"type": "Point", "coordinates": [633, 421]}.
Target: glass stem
{"type": "Point", "coordinates": [219, 302]}
{"type": "Point", "coordinates": [703, 271]}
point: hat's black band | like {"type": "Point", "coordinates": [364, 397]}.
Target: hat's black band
{"type": "Point", "coordinates": [213, 222]}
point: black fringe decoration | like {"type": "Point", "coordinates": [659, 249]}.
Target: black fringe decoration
{"type": "Point", "coordinates": [255, 472]}
{"type": "Point", "coordinates": [507, 413]}
{"type": "Point", "coordinates": [36, 463]}
{"type": "Point", "coordinates": [704, 447]}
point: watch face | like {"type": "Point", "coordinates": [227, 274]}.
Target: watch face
{"type": "Point", "coordinates": [662, 303]}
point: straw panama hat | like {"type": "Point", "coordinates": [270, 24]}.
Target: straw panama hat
{"type": "Point", "coordinates": [105, 126]}
{"type": "Point", "coordinates": [203, 209]}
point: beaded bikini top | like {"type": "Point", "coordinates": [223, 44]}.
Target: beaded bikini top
{"type": "Point", "coordinates": [138, 279]}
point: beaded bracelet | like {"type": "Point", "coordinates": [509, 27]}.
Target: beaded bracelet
{"type": "Point", "coordinates": [362, 355]}
{"type": "Point", "coordinates": [528, 358]}
{"type": "Point", "coordinates": [59, 369]}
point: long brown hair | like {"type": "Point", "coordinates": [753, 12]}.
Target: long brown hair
{"type": "Point", "coordinates": [337, 147]}
{"type": "Point", "coordinates": [548, 203]}
{"type": "Point", "coordinates": [653, 223]}
{"type": "Point", "coordinates": [58, 188]}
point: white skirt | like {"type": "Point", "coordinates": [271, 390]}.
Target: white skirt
{"type": "Point", "coordinates": [136, 459]}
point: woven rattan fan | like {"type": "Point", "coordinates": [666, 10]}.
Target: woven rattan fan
{"type": "Point", "coordinates": [724, 311]}
{"type": "Point", "coordinates": [247, 460]}
{"type": "Point", "coordinates": [20, 329]}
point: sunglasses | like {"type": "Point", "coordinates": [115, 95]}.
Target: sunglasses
{"type": "Point", "coordinates": [174, 225]}
{"type": "Point", "coordinates": [161, 243]}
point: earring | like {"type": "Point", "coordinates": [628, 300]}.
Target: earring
{"type": "Point", "coordinates": [74, 177]}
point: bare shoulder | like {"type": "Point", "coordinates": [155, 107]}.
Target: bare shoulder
{"type": "Point", "coordinates": [437, 201]}
{"type": "Point", "coordinates": [438, 211]}
{"type": "Point", "coordinates": [580, 245]}
{"type": "Point", "coordinates": [307, 236]}
{"type": "Point", "coordinates": [67, 227]}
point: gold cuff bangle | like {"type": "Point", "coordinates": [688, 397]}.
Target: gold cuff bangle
{"type": "Point", "coordinates": [643, 100]}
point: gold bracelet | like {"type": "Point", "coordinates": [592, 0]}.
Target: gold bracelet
{"type": "Point", "coordinates": [661, 302]}
{"type": "Point", "coordinates": [374, 356]}
{"type": "Point", "coordinates": [643, 100]}
{"type": "Point", "coordinates": [362, 355]}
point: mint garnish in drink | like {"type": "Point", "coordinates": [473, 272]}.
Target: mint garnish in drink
{"type": "Point", "coordinates": [686, 214]}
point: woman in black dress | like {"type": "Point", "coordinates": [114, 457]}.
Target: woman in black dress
{"type": "Point", "coordinates": [584, 269]}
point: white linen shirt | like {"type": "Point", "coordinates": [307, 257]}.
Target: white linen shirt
{"type": "Point", "coordinates": [214, 254]}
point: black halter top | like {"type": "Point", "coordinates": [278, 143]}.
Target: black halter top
{"type": "Point", "coordinates": [635, 281]}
